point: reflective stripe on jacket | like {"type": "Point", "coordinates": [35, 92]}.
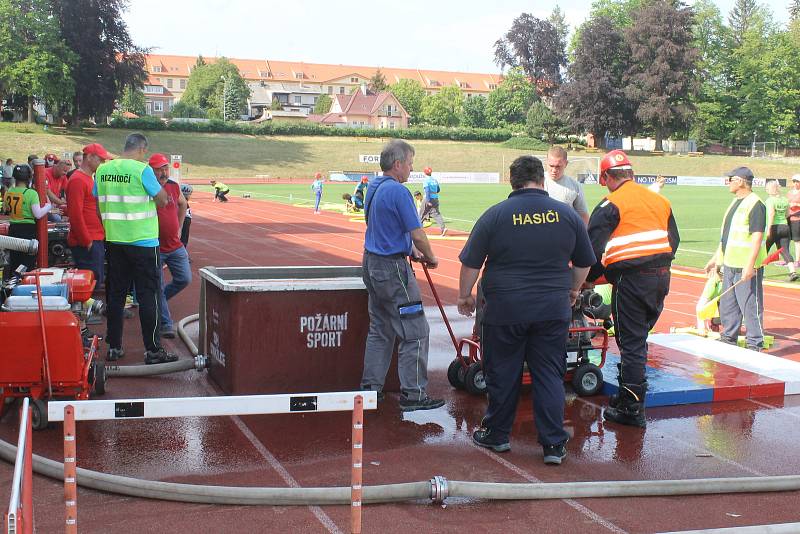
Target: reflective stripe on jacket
{"type": "Point", "coordinates": [739, 245]}
{"type": "Point", "coordinates": [643, 224]}
{"type": "Point", "coordinates": [127, 211]}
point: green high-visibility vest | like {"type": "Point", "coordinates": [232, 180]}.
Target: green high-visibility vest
{"type": "Point", "coordinates": [739, 245]}
{"type": "Point", "coordinates": [128, 212]}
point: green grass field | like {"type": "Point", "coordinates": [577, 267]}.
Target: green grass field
{"type": "Point", "coordinates": [698, 210]}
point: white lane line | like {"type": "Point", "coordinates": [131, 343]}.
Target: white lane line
{"type": "Point", "coordinates": [318, 512]}
{"type": "Point", "coordinates": [600, 520]}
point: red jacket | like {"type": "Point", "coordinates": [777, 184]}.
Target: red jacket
{"type": "Point", "coordinates": [84, 222]}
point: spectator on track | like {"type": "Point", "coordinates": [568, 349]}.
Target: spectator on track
{"type": "Point", "coordinates": [77, 159]}
{"type": "Point", "coordinates": [316, 187]}
{"type": "Point", "coordinates": [430, 205]}
{"type": "Point", "coordinates": [562, 187]}
{"type": "Point", "coordinates": [21, 203]}
{"type": "Point", "coordinates": [778, 226]}
{"type": "Point", "coordinates": [794, 215]}
{"type": "Point", "coordinates": [56, 179]}
{"type": "Point", "coordinates": [8, 178]}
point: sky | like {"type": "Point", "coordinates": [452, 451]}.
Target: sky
{"type": "Point", "coordinates": [454, 35]}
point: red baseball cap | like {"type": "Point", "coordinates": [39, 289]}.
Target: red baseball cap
{"type": "Point", "coordinates": [158, 160]}
{"type": "Point", "coordinates": [98, 150]}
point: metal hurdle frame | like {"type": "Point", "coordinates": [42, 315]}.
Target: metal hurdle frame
{"type": "Point", "coordinates": [72, 411]}
{"type": "Point", "coordinates": [19, 517]}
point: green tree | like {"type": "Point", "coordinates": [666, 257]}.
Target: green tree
{"type": "Point", "coordinates": [377, 83]}
{"type": "Point", "coordinates": [212, 85]}
{"type": "Point", "coordinates": [794, 10]}
{"type": "Point", "coordinates": [535, 46]}
{"type": "Point", "coordinates": [275, 105]}
{"type": "Point", "coordinates": [132, 101]}
{"type": "Point", "coordinates": [619, 11]}
{"type": "Point", "coordinates": [323, 105]}
{"type": "Point", "coordinates": [559, 22]}
{"type": "Point", "coordinates": [592, 99]}
{"type": "Point", "coordinates": [743, 16]}
{"type": "Point", "coordinates": [475, 112]}
{"type": "Point", "coordinates": [543, 124]}
{"type": "Point", "coordinates": [183, 110]}
{"type": "Point", "coordinates": [443, 108]}
{"type": "Point", "coordinates": [108, 60]}
{"type": "Point", "coordinates": [661, 79]}
{"type": "Point", "coordinates": [410, 94]}
{"type": "Point", "coordinates": [509, 103]}
{"type": "Point", "coordinates": [35, 63]}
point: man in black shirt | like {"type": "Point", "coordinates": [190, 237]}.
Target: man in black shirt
{"type": "Point", "coordinates": [527, 242]}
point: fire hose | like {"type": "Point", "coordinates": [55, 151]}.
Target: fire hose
{"type": "Point", "coordinates": [26, 246]}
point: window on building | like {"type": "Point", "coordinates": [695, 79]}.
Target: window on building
{"type": "Point", "coordinates": [391, 125]}
{"type": "Point", "coordinates": [297, 99]}
{"type": "Point", "coordinates": [169, 83]}
{"type": "Point", "coordinates": [156, 68]}
{"type": "Point", "coordinates": [341, 90]}
{"type": "Point", "coordinates": [299, 75]}
{"type": "Point", "coordinates": [330, 89]}
{"type": "Point", "coordinates": [353, 80]}
{"type": "Point", "coordinates": [158, 105]}
{"type": "Point", "coordinates": [170, 104]}
{"type": "Point", "coordinates": [182, 83]}
{"type": "Point", "coordinates": [492, 86]}
{"type": "Point", "coordinates": [315, 100]}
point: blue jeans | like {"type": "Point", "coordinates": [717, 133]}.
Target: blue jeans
{"type": "Point", "coordinates": [177, 262]}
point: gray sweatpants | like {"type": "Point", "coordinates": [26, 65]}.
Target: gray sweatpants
{"type": "Point", "coordinates": [744, 303]}
{"type": "Point", "coordinates": [431, 209]}
{"type": "Point", "coordinates": [395, 313]}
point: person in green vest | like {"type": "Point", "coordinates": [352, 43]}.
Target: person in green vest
{"type": "Point", "coordinates": [21, 204]}
{"type": "Point", "coordinates": [741, 253]}
{"type": "Point", "coordinates": [127, 193]}
{"type": "Point", "coordinates": [778, 226]}
{"type": "Point", "coordinates": [220, 190]}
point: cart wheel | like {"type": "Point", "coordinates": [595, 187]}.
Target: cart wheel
{"type": "Point", "coordinates": [474, 380]}
{"type": "Point", "coordinates": [587, 380]}
{"type": "Point", "coordinates": [455, 373]}
{"type": "Point", "coordinates": [99, 381]}
{"type": "Point", "coordinates": [39, 414]}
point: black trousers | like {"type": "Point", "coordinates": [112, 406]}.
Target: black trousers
{"type": "Point", "coordinates": [637, 299]}
{"type": "Point", "coordinates": [543, 344]}
{"type": "Point", "coordinates": [142, 266]}
{"type": "Point", "coordinates": [221, 195]}
{"type": "Point", "coordinates": [15, 259]}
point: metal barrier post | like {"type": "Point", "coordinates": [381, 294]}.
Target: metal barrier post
{"type": "Point", "coordinates": [356, 475]}
{"type": "Point", "coordinates": [27, 477]}
{"type": "Point", "coordinates": [70, 471]}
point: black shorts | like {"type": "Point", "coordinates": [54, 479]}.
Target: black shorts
{"type": "Point", "coordinates": [794, 229]}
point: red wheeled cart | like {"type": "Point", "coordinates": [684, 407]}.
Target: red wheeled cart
{"type": "Point", "coordinates": [585, 342]}
{"type": "Point", "coordinates": [43, 354]}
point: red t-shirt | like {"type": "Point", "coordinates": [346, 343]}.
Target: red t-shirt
{"type": "Point", "coordinates": [84, 222]}
{"type": "Point", "coordinates": [57, 185]}
{"type": "Point", "coordinates": [794, 203]}
{"type": "Point", "coordinates": [169, 233]}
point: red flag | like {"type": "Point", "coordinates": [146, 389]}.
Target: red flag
{"type": "Point", "coordinates": [772, 257]}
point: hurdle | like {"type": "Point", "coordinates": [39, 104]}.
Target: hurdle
{"type": "Point", "coordinates": [19, 517]}
{"type": "Point", "coordinates": [71, 411]}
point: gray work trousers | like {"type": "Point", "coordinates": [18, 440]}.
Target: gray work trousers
{"type": "Point", "coordinates": [395, 314]}
{"type": "Point", "coordinates": [744, 303]}
{"type": "Point", "coordinates": [431, 209]}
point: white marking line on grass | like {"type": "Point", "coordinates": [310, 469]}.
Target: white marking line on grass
{"type": "Point", "coordinates": [600, 520]}
{"type": "Point", "coordinates": [318, 512]}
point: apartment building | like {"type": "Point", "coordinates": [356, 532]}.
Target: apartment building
{"type": "Point", "coordinates": [298, 85]}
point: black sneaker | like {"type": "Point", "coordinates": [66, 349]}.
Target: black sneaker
{"type": "Point", "coordinates": [159, 356]}
{"type": "Point", "coordinates": [794, 277]}
{"type": "Point", "coordinates": [484, 438]}
{"type": "Point", "coordinates": [554, 454]}
{"type": "Point", "coordinates": [408, 405]}
{"type": "Point", "coordinates": [114, 355]}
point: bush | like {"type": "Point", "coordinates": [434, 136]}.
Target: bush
{"type": "Point", "coordinates": [7, 115]}
{"type": "Point", "coordinates": [314, 129]}
{"type": "Point", "coordinates": [526, 143]}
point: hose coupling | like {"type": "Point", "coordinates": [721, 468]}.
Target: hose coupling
{"type": "Point", "coordinates": [201, 363]}
{"type": "Point", "coordinates": [439, 489]}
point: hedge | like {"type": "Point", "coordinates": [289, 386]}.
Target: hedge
{"type": "Point", "coordinates": [311, 129]}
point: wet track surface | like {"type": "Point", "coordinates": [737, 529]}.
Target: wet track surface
{"type": "Point", "coordinates": [724, 439]}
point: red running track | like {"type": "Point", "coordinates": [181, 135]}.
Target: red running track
{"type": "Point", "coordinates": [741, 438]}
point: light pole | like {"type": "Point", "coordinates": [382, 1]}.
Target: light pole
{"type": "Point", "coordinates": [753, 149]}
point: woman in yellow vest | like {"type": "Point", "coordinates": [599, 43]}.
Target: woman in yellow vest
{"type": "Point", "coordinates": [21, 203]}
{"type": "Point", "coordinates": [741, 253]}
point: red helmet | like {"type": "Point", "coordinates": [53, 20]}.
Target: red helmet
{"type": "Point", "coordinates": [365, 179]}
{"type": "Point", "coordinates": [428, 171]}
{"type": "Point", "coordinates": [616, 159]}
{"type": "Point", "coordinates": [318, 175]}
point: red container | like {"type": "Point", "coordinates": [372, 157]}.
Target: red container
{"type": "Point", "coordinates": [273, 330]}
{"type": "Point", "coordinates": [80, 283]}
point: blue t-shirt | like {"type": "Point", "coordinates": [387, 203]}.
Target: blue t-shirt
{"type": "Point", "coordinates": [527, 242]}
{"type": "Point", "coordinates": [431, 186]}
{"type": "Point", "coordinates": [317, 187]}
{"type": "Point", "coordinates": [152, 187]}
{"type": "Point", "coordinates": [392, 216]}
